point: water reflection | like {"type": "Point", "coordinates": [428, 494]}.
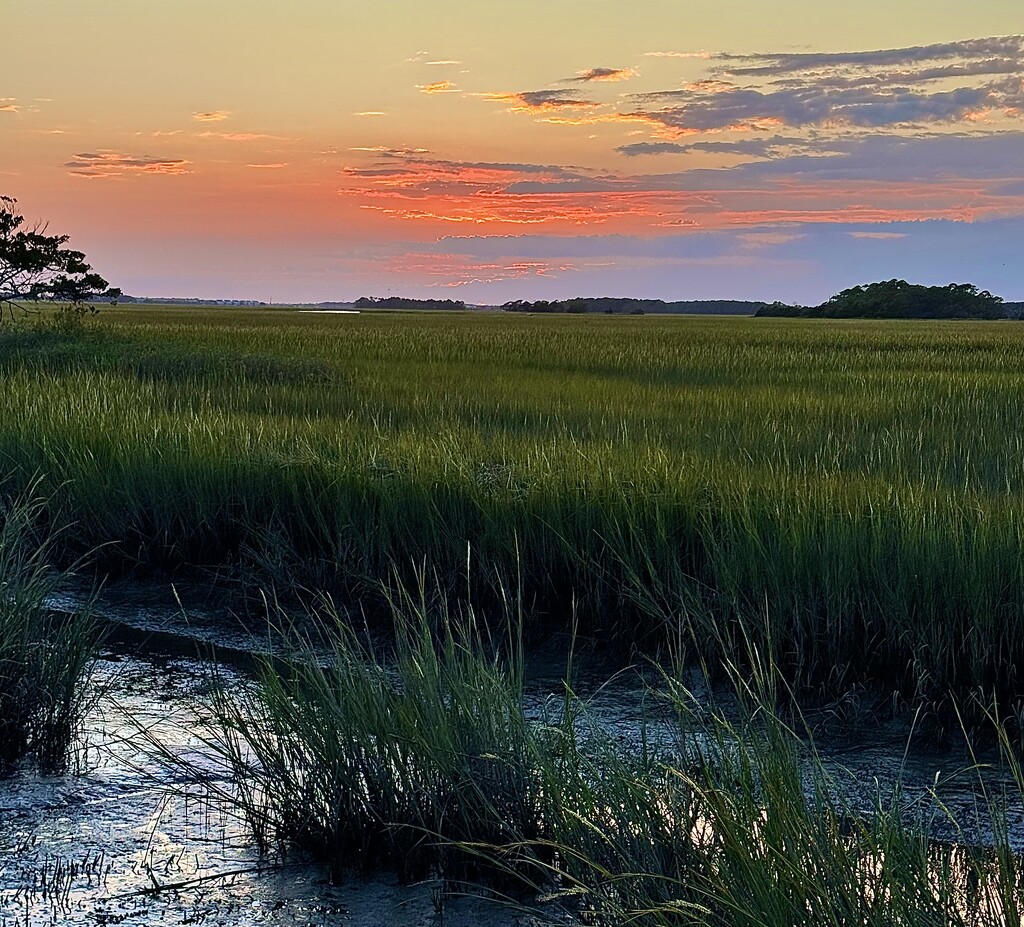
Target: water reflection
{"type": "Point", "coordinates": [120, 843]}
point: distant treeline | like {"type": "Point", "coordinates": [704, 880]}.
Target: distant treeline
{"type": "Point", "coordinates": [184, 301]}
{"type": "Point", "coordinates": [401, 302]}
{"type": "Point", "coordinates": [897, 299]}
{"type": "Point", "coordinates": [627, 306]}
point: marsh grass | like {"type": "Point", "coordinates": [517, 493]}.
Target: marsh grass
{"type": "Point", "coordinates": [747, 827]}
{"type": "Point", "coordinates": [45, 658]}
{"type": "Point", "coordinates": [422, 759]}
{"type": "Point", "coordinates": [367, 761]}
{"type": "Point", "coordinates": [847, 493]}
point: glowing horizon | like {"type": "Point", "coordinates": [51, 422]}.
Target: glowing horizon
{"type": "Point", "coordinates": [521, 151]}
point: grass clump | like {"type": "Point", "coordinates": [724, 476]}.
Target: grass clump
{"type": "Point", "coordinates": [366, 763]}
{"type": "Point", "coordinates": [45, 657]}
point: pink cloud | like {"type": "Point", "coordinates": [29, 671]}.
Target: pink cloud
{"type": "Point", "coordinates": [106, 164]}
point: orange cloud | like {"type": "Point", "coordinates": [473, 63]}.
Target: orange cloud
{"type": "Point", "coordinates": [268, 167]}
{"type": "Point", "coordinates": [385, 150]}
{"type": "Point", "coordinates": [541, 101]}
{"type": "Point", "coordinates": [439, 193]}
{"type": "Point", "coordinates": [240, 136]}
{"type": "Point", "coordinates": [495, 208]}
{"type": "Point", "coordinates": [214, 116]}
{"type": "Point", "coordinates": [105, 164]}
{"type": "Point", "coordinates": [441, 86]}
{"type": "Point", "coordinates": [454, 270]}
{"type": "Point", "coordinates": [674, 54]}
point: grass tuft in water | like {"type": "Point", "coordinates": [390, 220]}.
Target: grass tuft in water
{"type": "Point", "coordinates": [45, 657]}
{"type": "Point", "coordinates": [393, 761]}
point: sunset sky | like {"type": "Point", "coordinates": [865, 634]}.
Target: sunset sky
{"type": "Point", "coordinates": [494, 150]}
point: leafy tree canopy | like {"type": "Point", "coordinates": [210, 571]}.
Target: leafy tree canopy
{"type": "Point", "coordinates": [897, 299]}
{"type": "Point", "coordinates": [37, 266]}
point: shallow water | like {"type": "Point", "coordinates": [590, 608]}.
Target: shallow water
{"type": "Point", "coordinates": [118, 842]}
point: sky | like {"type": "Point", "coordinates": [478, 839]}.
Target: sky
{"type": "Point", "coordinates": [495, 150]}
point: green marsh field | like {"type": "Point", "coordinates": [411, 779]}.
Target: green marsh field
{"type": "Point", "coordinates": [797, 514]}
{"type": "Point", "coordinates": [848, 495]}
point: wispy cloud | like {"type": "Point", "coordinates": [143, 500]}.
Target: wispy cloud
{"type": "Point", "coordinates": [9, 105]}
{"type": "Point", "coordinates": [415, 188]}
{"type": "Point", "coordinates": [542, 101]}
{"type": "Point", "coordinates": [678, 54]}
{"type": "Point", "coordinates": [448, 270]}
{"type": "Point", "coordinates": [268, 167]}
{"type": "Point", "coordinates": [440, 86]}
{"type": "Point", "coordinates": [749, 109]}
{"type": "Point", "coordinates": [391, 152]}
{"type": "Point", "coordinates": [636, 149]}
{"type": "Point", "coordinates": [775, 63]}
{"type": "Point", "coordinates": [768, 239]}
{"type": "Point", "coordinates": [868, 89]}
{"type": "Point", "coordinates": [442, 62]}
{"type": "Point", "coordinates": [770, 147]}
{"type": "Point", "coordinates": [213, 116]}
{"type": "Point", "coordinates": [241, 136]}
{"type": "Point", "coordinates": [603, 74]}
{"type": "Point", "coordinates": [101, 164]}
{"type": "Point", "coordinates": [370, 112]}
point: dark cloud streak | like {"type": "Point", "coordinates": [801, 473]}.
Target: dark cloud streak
{"type": "Point", "coordinates": [1006, 46]}
{"type": "Point", "coordinates": [603, 74]}
{"type": "Point", "coordinates": [542, 101]}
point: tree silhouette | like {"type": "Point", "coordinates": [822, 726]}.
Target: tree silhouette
{"type": "Point", "coordinates": [37, 266]}
{"type": "Point", "coordinates": [897, 299]}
